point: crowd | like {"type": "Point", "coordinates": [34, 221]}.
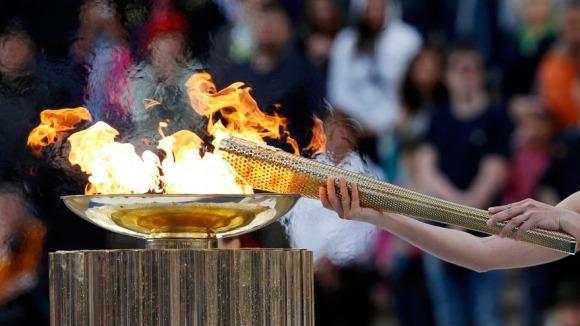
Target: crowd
{"type": "Point", "coordinates": [473, 101]}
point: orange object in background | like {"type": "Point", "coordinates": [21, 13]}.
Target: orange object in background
{"type": "Point", "coordinates": [559, 86]}
{"type": "Point", "coordinates": [19, 269]}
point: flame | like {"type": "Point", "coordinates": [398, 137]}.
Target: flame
{"type": "Point", "coordinates": [240, 115]}
{"type": "Point", "coordinates": [186, 171]}
{"type": "Point", "coordinates": [116, 168]}
{"type": "Point", "coordinates": [149, 103]}
{"type": "Point", "coordinates": [318, 143]}
{"type": "Point", "coordinates": [53, 123]}
{"type": "Point", "coordinates": [113, 168]}
{"type": "Point", "coordinates": [162, 125]}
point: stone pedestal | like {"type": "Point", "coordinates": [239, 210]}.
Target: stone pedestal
{"type": "Point", "coordinates": [182, 287]}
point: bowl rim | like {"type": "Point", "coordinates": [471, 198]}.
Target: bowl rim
{"type": "Point", "coordinates": [181, 195]}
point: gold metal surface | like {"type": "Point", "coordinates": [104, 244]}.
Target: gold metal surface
{"type": "Point", "coordinates": [270, 169]}
{"type": "Point", "coordinates": [211, 287]}
{"type": "Point", "coordinates": [183, 243]}
{"type": "Point", "coordinates": [181, 216]}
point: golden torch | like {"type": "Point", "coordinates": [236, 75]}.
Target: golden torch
{"type": "Point", "coordinates": [270, 169]}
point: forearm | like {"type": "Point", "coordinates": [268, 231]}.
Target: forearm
{"type": "Point", "coordinates": [454, 246]}
{"type": "Point", "coordinates": [467, 250]}
{"type": "Point", "coordinates": [570, 223]}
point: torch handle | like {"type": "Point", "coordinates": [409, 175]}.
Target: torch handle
{"type": "Point", "coordinates": [270, 169]}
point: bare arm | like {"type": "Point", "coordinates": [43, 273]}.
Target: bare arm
{"type": "Point", "coordinates": [467, 250]}
{"type": "Point", "coordinates": [458, 247]}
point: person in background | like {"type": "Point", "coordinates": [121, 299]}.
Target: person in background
{"type": "Point", "coordinates": [422, 88]}
{"type": "Point", "coordinates": [427, 16]}
{"type": "Point", "coordinates": [477, 21]}
{"type": "Point", "coordinates": [22, 96]}
{"type": "Point", "coordinates": [342, 250]}
{"type": "Point", "coordinates": [464, 160]}
{"type": "Point", "coordinates": [532, 144]}
{"type": "Point", "coordinates": [281, 78]}
{"type": "Point", "coordinates": [399, 263]}
{"type": "Point", "coordinates": [530, 157]}
{"type": "Point", "coordinates": [21, 248]}
{"type": "Point", "coordinates": [102, 40]}
{"type": "Point", "coordinates": [323, 21]}
{"type": "Point", "coordinates": [161, 78]}
{"type": "Point", "coordinates": [526, 45]}
{"type": "Point", "coordinates": [558, 76]}
{"type": "Point", "coordinates": [235, 43]}
{"type": "Point", "coordinates": [367, 65]}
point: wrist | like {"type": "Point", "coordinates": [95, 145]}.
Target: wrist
{"type": "Point", "coordinates": [563, 222]}
{"type": "Point", "coordinates": [569, 223]}
{"type": "Point", "coordinates": [389, 220]}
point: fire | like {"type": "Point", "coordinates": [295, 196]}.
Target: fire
{"type": "Point", "coordinates": [113, 168]}
{"type": "Point", "coordinates": [53, 123]}
{"type": "Point", "coordinates": [318, 143]}
{"type": "Point", "coordinates": [186, 171]}
{"type": "Point", "coordinates": [116, 168]}
{"type": "Point", "coordinates": [240, 112]}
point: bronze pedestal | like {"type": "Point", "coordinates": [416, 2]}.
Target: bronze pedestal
{"type": "Point", "coordinates": [182, 287]}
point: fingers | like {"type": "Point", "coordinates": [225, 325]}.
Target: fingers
{"type": "Point", "coordinates": [344, 197]}
{"type": "Point", "coordinates": [324, 198]}
{"type": "Point", "coordinates": [330, 199]}
{"type": "Point", "coordinates": [512, 224]}
{"type": "Point", "coordinates": [526, 203]}
{"type": "Point", "coordinates": [355, 200]}
{"type": "Point", "coordinates": [509, 212]}
{"type": "Point", "coordinates": [498, 209]}
{"type": "Point", "coordinates": [526, 226]}
{"type": "Point", "coordinates": [333, 198]}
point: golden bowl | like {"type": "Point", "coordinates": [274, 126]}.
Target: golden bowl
{"type": "Point", "coordinates": [160, 216]}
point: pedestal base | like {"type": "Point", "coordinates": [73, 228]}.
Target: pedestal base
{"type": "Point", "coordinates": [182, 287]}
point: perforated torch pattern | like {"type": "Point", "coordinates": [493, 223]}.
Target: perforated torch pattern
{"type": "Point", "coordinates": [270, 169]}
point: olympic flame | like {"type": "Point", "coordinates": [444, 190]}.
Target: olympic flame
{"type": "Point", "coordinates": [53, 125]}
{"type": "Point", "coordinates": [185, 167]}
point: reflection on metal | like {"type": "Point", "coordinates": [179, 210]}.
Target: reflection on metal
{"type": "Point", "coordinates": [181, 216]}
{"type": "Point", "coordinates": [270, 169]}
{"type": "Point", "coordinates": [182, 287]}
{"type": "Point", "coordinates": [206, 243]}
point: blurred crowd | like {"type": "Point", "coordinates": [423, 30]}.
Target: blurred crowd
{"type": "Point", "coordinates": [473, 101]}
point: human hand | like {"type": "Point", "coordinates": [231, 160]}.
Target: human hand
{"type": "Point", "coordinates": [526, 215]}
{"type": "Point", "coordinates": [348, 206]}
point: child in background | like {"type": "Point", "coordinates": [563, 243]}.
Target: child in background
{"type": "Point", "coordinates": [531, 155]}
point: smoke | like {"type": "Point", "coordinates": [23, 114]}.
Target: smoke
{"type": "Point", "coordinates": [311, 226]}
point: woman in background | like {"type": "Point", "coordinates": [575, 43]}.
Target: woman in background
{"type": "Point", "coordinates": [367, 64]}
